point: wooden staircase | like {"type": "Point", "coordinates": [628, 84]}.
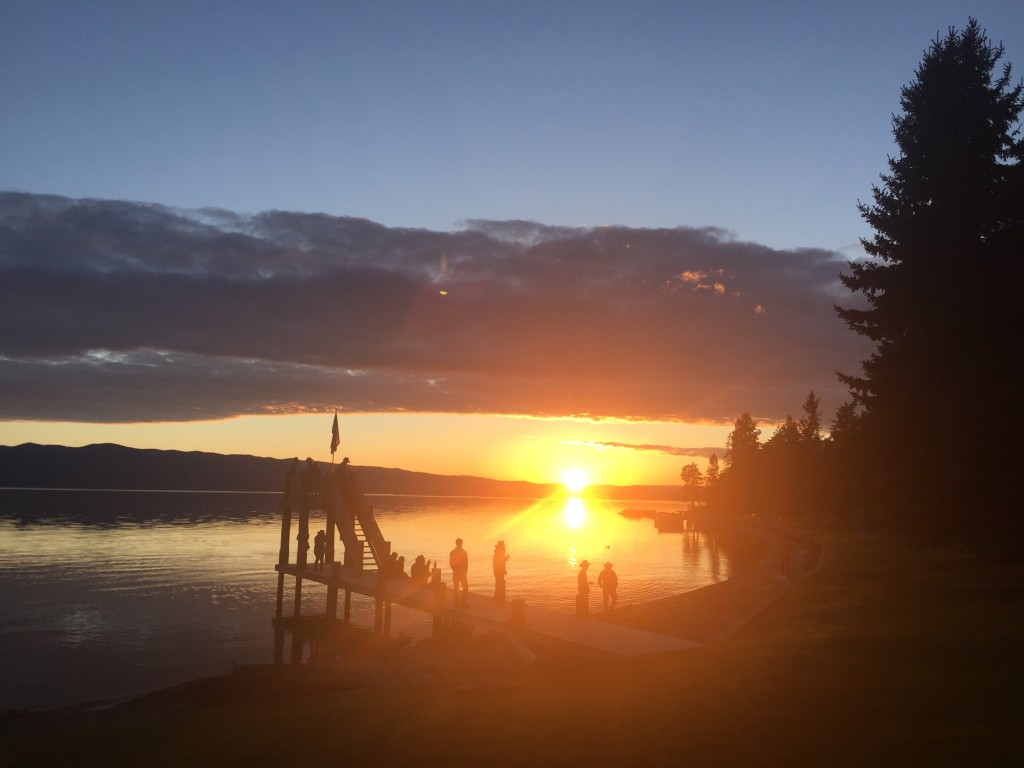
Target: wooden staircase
{"type": "Point", "coordinates": [370, 561]}
{"type": "Point", "coordinates": [365, 546]}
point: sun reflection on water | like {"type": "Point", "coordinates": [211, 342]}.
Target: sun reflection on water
{"type": "Point", "coordinates": [575, 512]}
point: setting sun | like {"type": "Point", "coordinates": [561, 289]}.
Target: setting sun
{"type": "Point", "coordinates": [575, 480]}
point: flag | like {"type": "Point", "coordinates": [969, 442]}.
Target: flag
{"type": "Point", "coordinates": [335, 439]}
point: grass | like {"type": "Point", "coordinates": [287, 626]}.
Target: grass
{"type": "Point", "coordinates": [884, 655]}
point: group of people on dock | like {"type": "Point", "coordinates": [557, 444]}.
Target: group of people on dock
{"type": "Point", "coordinates": [458, 561]}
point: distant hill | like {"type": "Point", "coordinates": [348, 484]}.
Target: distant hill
{"type": "Point", "coordinates": [117, 467]}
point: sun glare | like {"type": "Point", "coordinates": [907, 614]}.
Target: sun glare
{"type": "Point", "coordinates": [575, 480]}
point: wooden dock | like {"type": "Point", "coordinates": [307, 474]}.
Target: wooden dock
{"type": "Point", "coordinates": [367, 557]}
{"type": "Point", "coordinates": [534, 626]}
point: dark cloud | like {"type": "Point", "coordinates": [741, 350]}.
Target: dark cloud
{"type": "Point", "coordinates": [120, 311]}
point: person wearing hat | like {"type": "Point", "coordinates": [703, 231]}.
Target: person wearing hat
{"type": "Point", "coordinates": [608, 581]}
{"type": "Point", "coordinates": [500, 558]}
{"type": "Point", "coordinates": [582, 579]}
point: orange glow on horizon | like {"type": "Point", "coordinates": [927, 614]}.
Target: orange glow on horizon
{"type": "Point", "coordinates": [534, 449]}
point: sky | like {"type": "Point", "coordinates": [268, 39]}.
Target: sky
{"type": "Point", "coordinates": [500, 239]}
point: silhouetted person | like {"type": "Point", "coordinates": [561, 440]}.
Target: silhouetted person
{"type": "Point", "coordinates": [459, 562]}
{"type": "Point", "coordinates": [500, 558]}
{"type": "Point", "coordinates": [608, 581]}
{"type": "Point", "coordinates": [582, 579]}
{"type": "Point", "coordinates": [319, 547]}
{"type": "Point", "coordinates": [420, 571]}
{"type": "Point", "coordinates": [396, 567]}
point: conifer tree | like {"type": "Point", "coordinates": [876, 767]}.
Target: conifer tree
{"type": "Point", "coordinates": [712, 474]}
{"type": "Point", "coordinates": [742, 479]}
{"type": "Point", "coordinates": [939, 391]}
{"type": "Point", "coordinates": [810, 424]}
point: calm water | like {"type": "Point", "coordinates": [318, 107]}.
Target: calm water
{"type": "Point", "coordinates": [110, 593]}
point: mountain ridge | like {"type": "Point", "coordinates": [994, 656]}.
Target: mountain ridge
{"type": "Point", "coordinates": [116, 467]}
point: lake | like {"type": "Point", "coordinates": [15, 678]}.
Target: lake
{"type": "Point", "coordinates": [114, 593]}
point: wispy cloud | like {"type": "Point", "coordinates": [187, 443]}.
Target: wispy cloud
{"type": "Point", "coordinates": [668, 450]}
{"type": "Point", "coordinates": [122, 311]}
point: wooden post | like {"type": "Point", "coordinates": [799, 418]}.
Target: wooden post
{"type": "Point", "coordinates": [303, 537]}
{"type": "Point", "coordinates": [292, 496]}
{"type": "Point", "coordinates": [348, 606]}
{"type": "Point", "coordinates": [286, 534]}
{"type": "Point", "coordinates": [280, 595]}
{"type": "Point", "coordinates": [331, 523]}
{"type": "Point", "coordinates": [300, 561]}
{"type": "Point", "coordinates": [282, 557]}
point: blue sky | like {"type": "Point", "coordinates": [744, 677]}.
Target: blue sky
{"type": "Point", "coordinates": [767, 119]}
{"type": "Point", "coordinates": [629, 217]}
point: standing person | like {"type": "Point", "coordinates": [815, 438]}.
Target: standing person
{"type": "Point", "coordinates": [582, 579]}
{"type": "Point", "coordinates": [459, 562]}
{"type": "Point", "coordinates": [319, 546]}
{"type": "Point", "coordinates": [608, 581]}
{"type": "Point", "coordinates": [500, 558]}
{"type": "Point", "coordinates": [583, 596]}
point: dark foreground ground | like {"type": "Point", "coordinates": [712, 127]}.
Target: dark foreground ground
{"type": "Point", "coordinates": [882, 655]}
